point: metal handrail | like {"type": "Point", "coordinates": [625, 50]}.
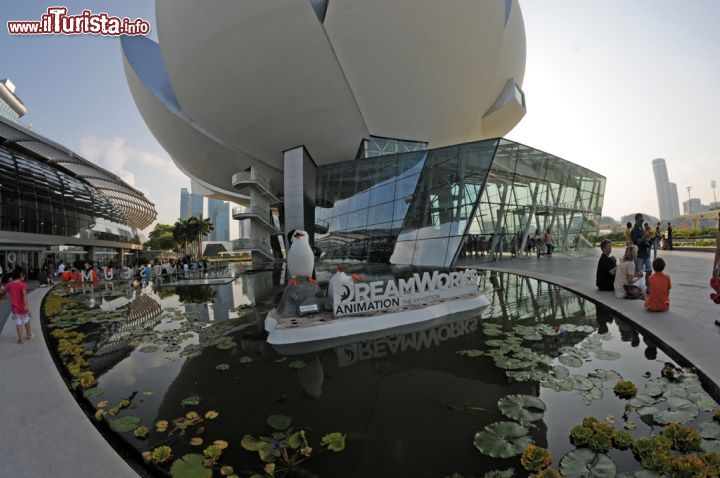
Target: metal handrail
{"type": "Point", "coordinates": [248, 176]}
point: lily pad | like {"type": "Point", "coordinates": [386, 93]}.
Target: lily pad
{"type": "Point", "coordinates": [502, 439]}
{"type": "Point", "coordinates": [570, 361]}
{"type": "Point", "coordinates": [149, 349]}
{"type": "Point", "coordinates": [523, 408]}
{"type": "Point", "coordinates": [582, 383]}
{"type": "Point", "coordinates": [656, 387]}
{"type": "Point", "coordinates": [245, 359]}
{"type": "Point", "coordinates": [93, 392]}
{"type": "Point", "coordinates": [509, 473]}
{"type": "Point", "coordinates": [297, 364]}
{"type": "Point", "coordinates": [279, 422]}
{"type": "Point", "coordinates": [127, 423]}
{"type": "Point", "coordinates": [710, 430]}
{"type": "Point", "coordinates": [222, 366]}
{"type": "Point", "coordinates": [334, 441]}
{"type": "Point", "coordinates": [585, 463]}
{"type": "Point", "coordinates": [607, 355]}
{"type": "Point", "coordinates": [606, 378]}
{"type": "Point", "coordinates": [641, 401]}
{"type": "Point", "coordinates": [560, 372]}
{"type": "Point", "coordinates": [190, 466]}
{"type": "Point", "coordinates": [679, 411]}
{"type": "Point", "coordinates": [641, 474]}
{"type": "Point", "coordinates": [472, 353]}
{"type": "Point", "coordinates": [191, 401]}
{"type": "Point", "coordinates": [712, 446]}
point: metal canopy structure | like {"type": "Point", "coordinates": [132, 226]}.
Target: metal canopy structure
{"type": "Point", "coordinates": [129, 206]}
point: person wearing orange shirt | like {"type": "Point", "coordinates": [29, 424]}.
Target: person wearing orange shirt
{"type": "Point", "coordinates": [659, 286]}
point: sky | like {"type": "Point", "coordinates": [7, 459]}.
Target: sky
{"type": "Point", "coordinates": [609, 85]}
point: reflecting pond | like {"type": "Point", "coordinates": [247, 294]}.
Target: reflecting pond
{"type": "Point", "coordinates": [183, 373]}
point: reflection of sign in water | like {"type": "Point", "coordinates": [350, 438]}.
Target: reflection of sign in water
{"type": "Point", "coordinates": [351, 298]}
{"type": "Point", "coordinates": [349, 354]}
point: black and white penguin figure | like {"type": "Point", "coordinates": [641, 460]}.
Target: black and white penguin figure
{"type": "Point", "coordinates": [300, 260]}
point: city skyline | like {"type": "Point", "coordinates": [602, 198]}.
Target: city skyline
{"type": "Point", "coordinates": [578, 73]}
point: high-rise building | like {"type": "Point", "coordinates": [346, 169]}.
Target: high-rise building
{"type": "Point", "coordinates": [10, 105]}
{"type": "Point", "coordinates": [694, 205]}
{"type": "Point", "coordinates": [662, 186]}
{"type": "Point", "coordinates": [184, 203]}
{"type": "Point", "coordinates": [219, 214]}
{"type": "Point", "coordinates": [674, 201]}
{"type": "Point", "coordinates": [197, 203]}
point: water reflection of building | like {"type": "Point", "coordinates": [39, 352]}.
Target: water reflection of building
{"type": "Point", "coordinates": [112, 342]}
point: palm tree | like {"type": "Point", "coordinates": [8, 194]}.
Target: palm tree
{"type": "Point", "coordinates": [204, 227]}
{"type": "Point", "coordinates": [181, 232]}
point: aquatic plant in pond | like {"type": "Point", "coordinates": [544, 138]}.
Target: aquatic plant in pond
{"type": "Point", "coordinates": [194, 375]}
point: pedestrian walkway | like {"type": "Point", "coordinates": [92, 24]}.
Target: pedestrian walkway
{"type": "Point", "coordinates": [687, 330]}
{"type": "Point", "coordinates": [44, 430]}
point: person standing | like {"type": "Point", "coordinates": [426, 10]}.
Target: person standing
{"type": "Point", "coordinates": [628, 230]}
{"type": "Point", "coordinates": [658, 236]}
{"type": "Point", "coordinates": [549, 241]}
{"type": "Point", "coordinates": [669, 236]}
{"type": "Point", "coordinates": [640, 239]}
{"type": "Point", "coordinates": [651, 239]}
{"type": "Point", "coordinates": [17, 289]}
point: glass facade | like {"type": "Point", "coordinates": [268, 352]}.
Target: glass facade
{"type": "Point", "coordinates": [435, 207]}
{"type": "Point", "coordinates": [37, 198]}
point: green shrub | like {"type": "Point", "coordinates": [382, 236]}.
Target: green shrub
{"type": "Point", "coordinates": [625, 389]}
{"type": "Point", "coordinates": [601, 443]}
{"type": "Point", "coordinates": [580, 435]}
{"type": "Point", "coordinates": [535, 458]}
{"type": "Point", "coordinates": [622, 440]}
{"type": "Point", "coordinates": [683, 437]}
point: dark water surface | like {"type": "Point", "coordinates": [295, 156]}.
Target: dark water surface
{"type": "Point", "coordinates": [409, 405]}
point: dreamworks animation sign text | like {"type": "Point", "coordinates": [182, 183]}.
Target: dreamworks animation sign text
{"type": "Point", "coordinates": [354, 298]}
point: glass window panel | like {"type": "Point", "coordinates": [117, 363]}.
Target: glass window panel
{"type": "Point", "coordinates": [403, 252]}
{"type": "Point", "coordinates": [411, 163]}
{"type": "Point", "coordinates": [400, 208]}
{"type": "Point", "coordinates": [357, 220]}
{"type": "Point", "coordinates": [382, 194]}
{"type": "Point", "coordinates": [381, 213]}
{"type": "Point", "coordinates": [338, 223]}
{"type": "Point", "coordinates": [359, 201]}
{"type": "Point", "coordinates": [406, 186]}
{"type": "Point", "coordinates": [431, 252]}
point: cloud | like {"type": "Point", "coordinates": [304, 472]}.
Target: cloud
{"type": "Point", "coordinates": [117, 157]}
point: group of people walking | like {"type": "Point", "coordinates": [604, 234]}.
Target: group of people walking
{"type": "Point", "coordinates": [477, 245]}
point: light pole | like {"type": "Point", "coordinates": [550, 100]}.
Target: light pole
{"type": "Point", "coordinates": [713, 184]}
{"type": "Point", "coordinates": [689, 203]}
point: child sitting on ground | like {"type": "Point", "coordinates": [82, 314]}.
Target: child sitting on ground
{"type": "Point", "coordinates": [659, 288]}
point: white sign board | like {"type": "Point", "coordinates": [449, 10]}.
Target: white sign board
{"type": "Point", "coordinates": [355, 298]}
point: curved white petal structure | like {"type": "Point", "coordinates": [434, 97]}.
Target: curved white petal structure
{"type": "Point", "coordinates": [234, 84]}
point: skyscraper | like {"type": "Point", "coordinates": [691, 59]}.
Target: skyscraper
{"type": "Point", "coordinates": [10, 105]}
{"type": "Point", "coordinates": [674, 202]}
{"type": "Point", "coordinates": [219, 214]}
{"type": "Point", "coordinates": [662, 186]}
{"type": "Point", "coordinates": [184, 203]}
{"type": "Point", "coordinates": [197, 203]}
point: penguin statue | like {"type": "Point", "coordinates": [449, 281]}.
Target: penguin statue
{"type": "Point", "coordinates": [340, 278]}
{"type": "Point", "coordinates": [300, 259]}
